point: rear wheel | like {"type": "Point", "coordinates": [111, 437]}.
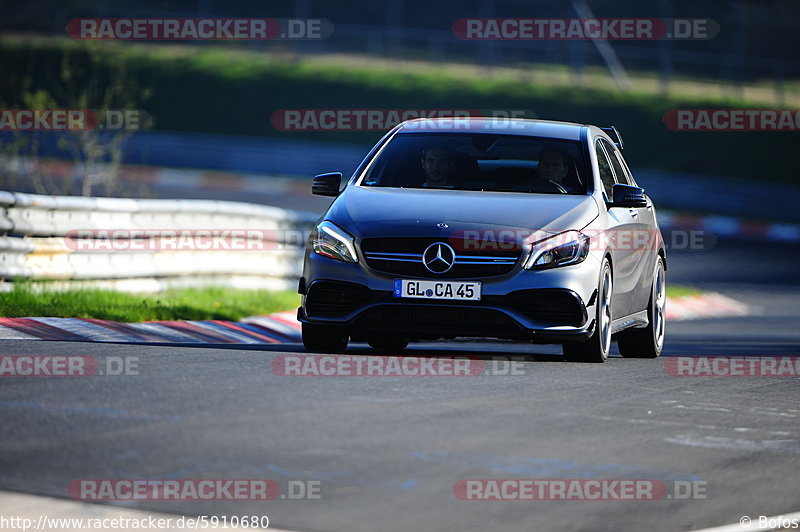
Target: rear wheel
{"type": "Point", "coordinates": [597, 347]}
{"type": "Point", "coordinates": [391, 344]}
{"type": "Point", "coordinates": [648, 342]}
{"type": "Point", "coordinates": [324, 338]}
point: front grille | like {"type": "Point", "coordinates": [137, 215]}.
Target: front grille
{"type": "Point", "coordinates": [403, 256]}
{"type": "Point", "coordinates": [334, 298]}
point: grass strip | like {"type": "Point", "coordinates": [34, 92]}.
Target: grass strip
{"type": "Point", "coordinates": [212, 303]}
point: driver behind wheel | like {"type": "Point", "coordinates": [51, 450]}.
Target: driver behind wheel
{"type": "Point", "coordinates": [437, 165]}
{"type": "Point", "coordinates": [553, 166]}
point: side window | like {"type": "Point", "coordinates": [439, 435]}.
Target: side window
{"type": "Point", "coordinates": [613, 153]}
{"type": "Point", "coordinates": [628, 173]}
{"type": "Point", "coordinates": [606, 174]}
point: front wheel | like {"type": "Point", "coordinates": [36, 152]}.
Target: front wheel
{"type": "Point", "coordinates": [648, 342]}
{"type": "Point", "coordinates": [324, 338]}
{"type": "Point", "coordinates": [597, 347]}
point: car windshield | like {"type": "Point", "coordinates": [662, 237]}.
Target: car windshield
{"type": "Point", "coordinates": [479, 161]}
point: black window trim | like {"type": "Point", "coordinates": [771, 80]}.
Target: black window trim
{"type": "Point", "coordinates": [611, 167]}
{"type": "Point", "coordinates": [624, 165]}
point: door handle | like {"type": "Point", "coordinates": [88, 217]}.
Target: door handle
{"type": "Point", "coordinates": [633, 213]}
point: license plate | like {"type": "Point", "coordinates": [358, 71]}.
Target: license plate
{"type": "Point", "coordinates": [462, 290]}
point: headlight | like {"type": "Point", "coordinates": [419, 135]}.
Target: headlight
{"type": "Point", "coordinates": [563, 249]}
{"type": "Point", "coordinates": [333, 242]}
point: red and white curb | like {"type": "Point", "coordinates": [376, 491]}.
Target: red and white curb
{"type": "Point", "coordinates": [280, 327]}
{"type": "Point", "coordinates": [706, 305]}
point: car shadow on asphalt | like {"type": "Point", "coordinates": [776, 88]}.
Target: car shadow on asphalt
{"type": "Point", "coordinates": [472, 349]}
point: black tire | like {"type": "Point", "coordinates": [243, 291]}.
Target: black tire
{"type": "Point", "coordinates": [597, 347]}
{"type": "Point", "coordinates": [388, 344]}
{"type": "Point", "coordinates": [324, 338]}
{"type": "Point", "coordinates": [649, 341]}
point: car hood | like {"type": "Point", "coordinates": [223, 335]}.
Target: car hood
{"type": "Point", "coordinates": [378, 211]}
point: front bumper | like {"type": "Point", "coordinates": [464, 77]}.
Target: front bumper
{"type": "Point", "coordinates": [549, 306]}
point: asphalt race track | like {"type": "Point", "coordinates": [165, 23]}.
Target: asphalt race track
{"type": "Point", "coordinates": [387, 451]}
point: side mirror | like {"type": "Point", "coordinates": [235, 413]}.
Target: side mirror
{"type": "Point", "coordinates": [628, 196]}
{"type": "Point", "coordinates": [327, 184]}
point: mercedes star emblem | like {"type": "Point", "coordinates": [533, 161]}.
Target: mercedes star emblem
{"type": "Point", "coordinates": [439, 257]}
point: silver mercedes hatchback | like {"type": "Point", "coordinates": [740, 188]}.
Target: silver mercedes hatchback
{"type": "Point", "coordinates": [529, 230]}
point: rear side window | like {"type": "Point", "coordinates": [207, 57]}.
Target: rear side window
{"type": "Point", "coordinates": [606, 174]}
{"type": "Point", "coordinates": [628, 173]}
{"type": "Point", "coordinates": [622, 175]}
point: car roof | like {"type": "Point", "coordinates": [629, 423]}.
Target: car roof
{"type": "Point", "coordinates": [500, 126]}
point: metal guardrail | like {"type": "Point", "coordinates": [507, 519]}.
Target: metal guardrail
{"type": "Point", "coordinates": [38, 241]}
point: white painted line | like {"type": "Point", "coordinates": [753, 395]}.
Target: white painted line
{"type": "Point", "coordinates": [759, 523]}
{"type": "Point", "coordinates": [42, 511]}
